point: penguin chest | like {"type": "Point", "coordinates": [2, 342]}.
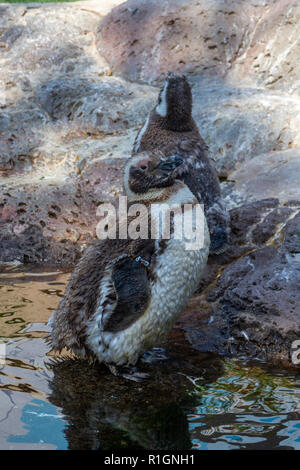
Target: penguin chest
{"type": "Point", "coordinates": [177, 275]}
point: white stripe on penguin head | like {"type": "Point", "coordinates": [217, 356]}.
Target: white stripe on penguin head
{"type": "Point", "coordinates": [140, 135]}
{"type": "Point", "coordinates": [162, 107]}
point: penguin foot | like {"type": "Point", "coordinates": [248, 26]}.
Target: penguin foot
{"type": "Point", "coordinates": [154, 355]}
{"type": "Point", "coordinates": [219, 250]}
{"type": "Point", "coordinates": [128, 372]}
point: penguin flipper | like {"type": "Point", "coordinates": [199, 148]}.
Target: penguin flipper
{"type": "Point", "coordinates": [132, 287]}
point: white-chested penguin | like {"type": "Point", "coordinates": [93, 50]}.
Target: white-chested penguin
{"type": "Point", "coordinates": [171, 128]}
{"type": "Point", "coordinates": [125, 294]}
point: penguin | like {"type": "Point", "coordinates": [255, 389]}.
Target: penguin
{"type": "Point", "coordinates": [125, 294]}
{"type": "Point", "coordinates": [171, 128]}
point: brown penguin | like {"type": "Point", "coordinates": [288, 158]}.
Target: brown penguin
{"type": "Point", "coordinates": [171, 128]}
{"type": "Point", "coordinates": [125, 294]}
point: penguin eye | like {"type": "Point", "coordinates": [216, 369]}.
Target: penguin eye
{"type": "Point", "coordinates": [143, 164]}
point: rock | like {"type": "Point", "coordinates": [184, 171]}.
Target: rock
{"type": "Point", "coordinates": [102, 180]}
{"type": "Point", "coordinates": [43, 223]}
{"type": "Point", "coordinates": [143, 40]}
{"type": "Point", "coordinates": [98, 106]}
{"type": "Point", "coordinates": [258, 295]}
{"type": "Point", "coordinates": [292, 235]}
{"type": "Point", "coordinates": [57, 97]}
{"type": "Point", "coordinates": [252, 304]}
{"type": "Point", "coordinates": [62, 119]}
{"type": "Point", "coordinates": [240, 124]}
{"type": "Point", "coordinates": [243, 41]}
{"type": "Point", "coordinates": [265, 59]}
{"type": "Point", "coordinates": [214, 44]}
{"type": "Point", "coordinates": [274, 174]}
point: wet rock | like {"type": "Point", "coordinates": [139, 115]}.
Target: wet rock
{"type": "Point", "coordinates": [268, 228]}
{"type": "Point", "coordinates": [292, 235]}
{"type": "Point", "coordinates": [244, 217]}
{"type": "Point", "coordinates": [205, 331]}
{"type": "Point", "coordinates": [258, 296]}
{"type": "Point", "coordinates": [253, 306]}
{"type": "Point", "coordinates": [253, 225]}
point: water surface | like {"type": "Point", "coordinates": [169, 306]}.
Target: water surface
{"type": "Point", "coordinates": [192, 401]}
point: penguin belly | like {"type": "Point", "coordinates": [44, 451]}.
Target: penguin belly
{"type": "Point", "coordinates": [175, 278]}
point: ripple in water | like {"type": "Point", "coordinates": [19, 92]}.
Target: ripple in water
{"type": "Point", "coordinates": [191, 402]}
{"type": "Point", "coordinates": [249, 407]}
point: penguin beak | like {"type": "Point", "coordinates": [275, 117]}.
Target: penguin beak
{"type": "Point", "coordinates": [170, 163]}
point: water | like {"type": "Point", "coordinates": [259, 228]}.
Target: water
{"type": "Point", "coordinates": [193, 400]}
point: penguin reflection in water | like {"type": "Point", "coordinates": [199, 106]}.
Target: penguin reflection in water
{"type": "Point", "coordinates": [125, 294]}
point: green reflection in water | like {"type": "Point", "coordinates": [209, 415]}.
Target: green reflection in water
{"type": "Point", "coordinates": [249, 388]}
{"type": "Point", "coordinates": [245, 407]}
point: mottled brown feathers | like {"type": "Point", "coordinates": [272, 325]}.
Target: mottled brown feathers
{"type": "Point", "coordinates": [108, 277]}
{"type": "Point", "coordinates": [82, 292]}
{"type": "Point", "coordinates": [172, 130]}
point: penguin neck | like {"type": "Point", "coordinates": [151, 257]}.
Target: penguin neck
{"type": "Point", "coordinates": [178, 193]}
{"type": "Point", "coordinates": [173, 125]}
{"type": "Point", "coordinates": [152, 194]}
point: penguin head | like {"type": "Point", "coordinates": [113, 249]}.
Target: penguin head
{"type": "Point", "coordinates": [150, 171]}
{"type": "Point", "coordinates": [174, 105]}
